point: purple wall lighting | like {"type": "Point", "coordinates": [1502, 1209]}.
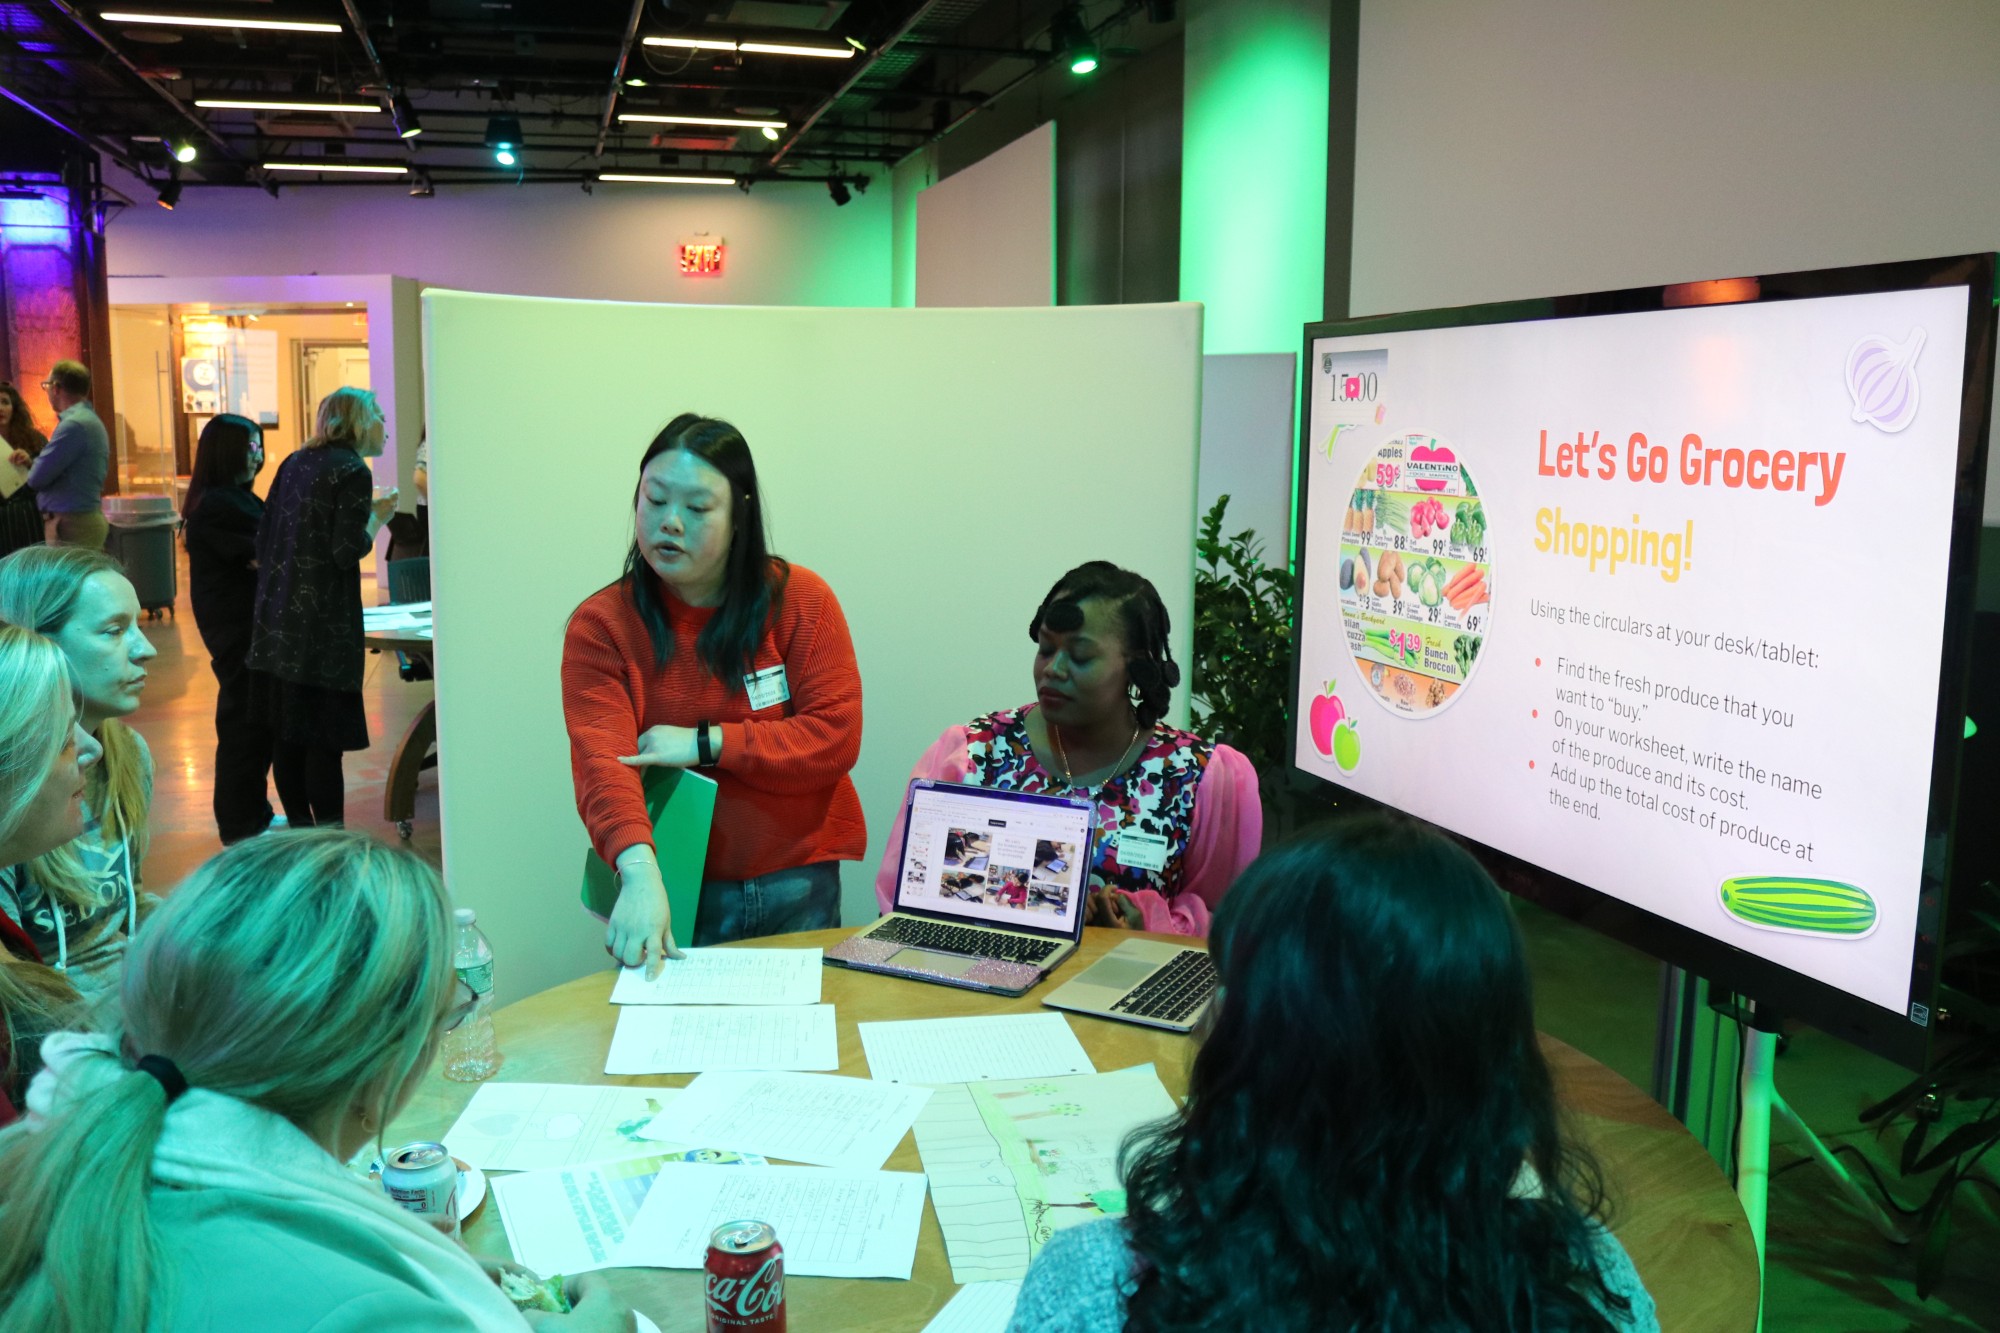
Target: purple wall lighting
{"type": "Point", "coordinates": [39, 283]}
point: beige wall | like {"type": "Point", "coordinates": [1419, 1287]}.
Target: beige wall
{"type": "Point", "coordinates": [940, 468]}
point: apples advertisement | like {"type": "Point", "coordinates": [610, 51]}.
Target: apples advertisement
{"type": "Point", "coordinates": [1652, 600]}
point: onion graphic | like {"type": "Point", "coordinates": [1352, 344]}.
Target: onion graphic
{"type": "Point", "coordinates": [1882, 380]}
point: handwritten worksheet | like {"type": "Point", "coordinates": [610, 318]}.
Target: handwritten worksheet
{"type": "Point", "coordinates": [726, 976]}
{"type": "Point", "coordinates": [537, 1126]}
{"type": "Point", "coordinates": [831, 1223]}
{"type": "Point", "coordinates": [851, 1123]}
{"type": "Point", "coordinates": [979, 1307]}
{"type": "Point", "coordinates": [1011, 1163]}
{"type": "Point", "coordinates": [691, 1039]}
{"type": "Point", "coordinates": [970, 1050]}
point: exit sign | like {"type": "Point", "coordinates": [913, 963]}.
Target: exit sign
{"type": "Point", "coordinates": [702, 257]}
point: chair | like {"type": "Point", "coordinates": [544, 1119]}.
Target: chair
{"type": "Point", "coordinates": [410, 580]}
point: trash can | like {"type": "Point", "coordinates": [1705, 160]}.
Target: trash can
{"type": "Point", "coordinates": [141, 538]}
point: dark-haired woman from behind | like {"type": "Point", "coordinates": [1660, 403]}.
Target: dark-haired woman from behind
{"type": "Point", "coordinates": [1370, 1138]}
{"type": "Point", "coordinates": [709, 652]}
{"type": "Point", "coordinates": [222, 515]}
{"type": "Point", "coordinates": [1177, 815]}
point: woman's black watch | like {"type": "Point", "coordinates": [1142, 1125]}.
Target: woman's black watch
{"type": "Point", "coordinates": [704, 751]}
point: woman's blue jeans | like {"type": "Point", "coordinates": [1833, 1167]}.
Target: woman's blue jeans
{"type": "Point", "coordinates": [802, 898]}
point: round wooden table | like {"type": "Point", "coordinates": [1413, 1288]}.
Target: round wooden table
{"type": "Point", "coordinates": [1671, 1206]}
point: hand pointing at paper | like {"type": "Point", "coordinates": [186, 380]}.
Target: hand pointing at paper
{"type": "Point", "coordinates": [642, 925]}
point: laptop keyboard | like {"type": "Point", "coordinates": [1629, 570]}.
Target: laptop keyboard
{"type": "Point", "coordinates": [1173, 992]}
{"type": "Point", "coordinates": [959, 939]}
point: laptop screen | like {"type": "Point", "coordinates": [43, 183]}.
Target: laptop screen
{"type": "Point", "coordinates": [1001, 857]}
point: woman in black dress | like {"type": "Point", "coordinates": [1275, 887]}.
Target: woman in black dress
{"type": "Point", "coordinates": [20, 518]}
{"type": "Point", "coordinates": [306, 651]}
{"type": "Point", "coordinates": [221, 533]}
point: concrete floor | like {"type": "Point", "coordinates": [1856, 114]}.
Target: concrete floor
{"type": "Point", "coordinates": [1829, 1271]}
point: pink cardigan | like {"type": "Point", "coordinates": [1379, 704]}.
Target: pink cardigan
{"type": "Point", "coordinates": [1224, 835]}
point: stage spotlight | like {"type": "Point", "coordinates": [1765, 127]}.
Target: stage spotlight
{"type": "Point", "coordinates": [769, 132]}
{"type": "Point", "coordinates": [503, 136]}
{"type": "Point", "coordinates": [405, 116]}
{"type": "Point", "coordinates": [1070, 38]}
{"type": "Point", "coordinates": [182, 149]}
{"type": "Point", "coordinates": [838, 189]}
{"type": "Point", "coordinates": [170, 193]}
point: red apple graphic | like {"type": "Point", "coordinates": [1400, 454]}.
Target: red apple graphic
{"type": "Point", "coordinates": [1425, 453]}
{"type": "Point", "coordinates": [1327, 713]}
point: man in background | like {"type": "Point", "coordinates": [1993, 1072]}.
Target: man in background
{"type": "Point", "coordinates": [68, 478]}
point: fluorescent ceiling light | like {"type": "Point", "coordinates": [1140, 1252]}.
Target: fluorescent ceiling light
{"type": "Point", "coordinates": [633, 178]}
{"type": "Point", "coordinates": [198, 21]}
{"type": "Point", "coordinates": [224, 104]}
{"type": "Point", "coordinates": [351, 167]}
{"type": "Point", "coordinates": [782, 49]}
{"type": "Point", "coordinates": [690, 43]}
{"type": "Point", "coordinates": [737, 122]}
{"type": "Point", "coordinates": [754, 48]}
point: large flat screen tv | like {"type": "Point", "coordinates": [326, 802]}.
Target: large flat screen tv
{"type": "Point", "coordinates": [1663, 596]}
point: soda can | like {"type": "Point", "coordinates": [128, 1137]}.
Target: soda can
{"type": "Point", "coordinates": [424, 1179]}
{"type": "Point", "coordinates": [746, 1278]}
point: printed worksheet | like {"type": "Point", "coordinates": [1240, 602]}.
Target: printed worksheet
{"type": "Point", "coordinates": [573, 1220]}
{"type": "Point", "coordinates": [832, 1223]}
{"type": "Point", "coordinates": [970, 1050]}
{"type": "Point", "coordinates": [690, 1039]}
{"type": "Point", "coordinates": [726, 976]}
{"type": "Point", "coordinates": [979, 1307]}
{"type": "Point", "coordinates": [826, 1120]}
{"type": "Point", "coordinates": [536, 1126]}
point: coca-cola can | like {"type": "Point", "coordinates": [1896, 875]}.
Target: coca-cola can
{"type": "Point", "coordinates": [746, 1278]}
{"type": "Point", "coordinates": [424, 1179]}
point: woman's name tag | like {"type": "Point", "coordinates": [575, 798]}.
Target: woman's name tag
{"type": "Point", "coordinates": [1142, 851]}
{"type": "Point", "coordinates": [767, 687]}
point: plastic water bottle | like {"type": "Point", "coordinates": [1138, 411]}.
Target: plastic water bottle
{"type": "Point", "coordinates": [470, 1053]}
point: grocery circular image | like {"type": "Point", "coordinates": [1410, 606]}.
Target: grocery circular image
{"type": "Point", "coordinates": [1415, 579]}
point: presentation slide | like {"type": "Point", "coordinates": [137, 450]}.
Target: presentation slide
{"type": "Point", "coordinates": [1651, 600]}
{"type": "Point", "coordinates": [1010, 862]}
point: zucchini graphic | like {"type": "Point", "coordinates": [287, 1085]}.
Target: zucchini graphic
{"type": "Point", "coordinates": [1804, 906]}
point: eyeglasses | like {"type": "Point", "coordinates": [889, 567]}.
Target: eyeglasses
{"type": "Point", "coordinates": [463, 1002]}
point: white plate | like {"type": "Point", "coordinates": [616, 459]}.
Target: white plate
{"type": "Point", "coordinates": [471, 1190]}
{"type": "Point", "coordinates": [645, 1325]}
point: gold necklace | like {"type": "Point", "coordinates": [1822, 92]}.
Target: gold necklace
{"type": "Point", "coordinates": [1069, 779]}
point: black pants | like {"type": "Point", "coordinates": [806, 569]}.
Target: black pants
{"type": "Point", "coordinates": [309, 783]}
{"type": "Point", "coordinates": [242, 751]}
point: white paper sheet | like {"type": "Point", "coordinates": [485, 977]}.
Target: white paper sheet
{"type": "Point", "coordinates": [688, 1039]}
{"type": "Point", "coordinates": [979, 1307]}
{"type": "Point", "coordinates": [726, 976]}
{"type": "Point", "coordinates": [831, 1223]}
{"type": "Point", "coordinates": [12, 478]}
{"type": "Point", "coordinates": [969, 1050]}
{"type": "Point", "coordinates": [573, 1220]}
{"type": "Point", "coordinates": [1010, 1163]}
{"type": "Point", "coordinates": [539, 1126]}
{"type": "Point", "coordinates": [851, 1123]}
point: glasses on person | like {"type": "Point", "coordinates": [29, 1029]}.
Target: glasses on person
{"type": "Point", "coordinates": [463, 1002]}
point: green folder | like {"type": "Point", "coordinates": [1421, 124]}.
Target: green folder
{"type": "Point", "coordinates": [682, 804]}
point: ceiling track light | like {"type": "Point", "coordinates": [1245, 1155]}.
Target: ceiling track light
{"type": "Point", "coordinates": [183, 150]}
{"type": "Point", "coordinates": [756, 48]}
{"type": "Point", "coordinates": [202, 21]}
{"type": "Point", "coordinates": [733, 122]}
{"type": "Point", "coordinates": [504, 137]}
{"type": "Point", "coordinates": [1069, 38]}
{"type": "Point", "coordinates": [421, 186]}
{"type": "Point", "coordinates": [837, 189]}
{"type": "Point", "coordinates": [660, 178]}
{"type": "Point", "coordinates": [241, 104]}
{"type": "Point", "coordinates": [405, 116]}
{"type": "Point", "coordinates": [170, 193]}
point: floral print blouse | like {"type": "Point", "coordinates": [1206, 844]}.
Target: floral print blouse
{"type": "Point", "coordinates": [1199, 796]}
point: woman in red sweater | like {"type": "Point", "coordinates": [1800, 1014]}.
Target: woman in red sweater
{"type": "Point", "coordinates": [712, 653]}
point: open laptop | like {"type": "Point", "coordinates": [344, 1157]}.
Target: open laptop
{"type": "Point", "coordinates": [1143, 981]}
{"type": "Point", "coordinates": [990, 889]}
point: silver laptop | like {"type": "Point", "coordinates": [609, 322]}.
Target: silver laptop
{"type": "Point", "coordinates": [1143, 981]}
{"type": "Point", "coordinates": [990, 889]}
